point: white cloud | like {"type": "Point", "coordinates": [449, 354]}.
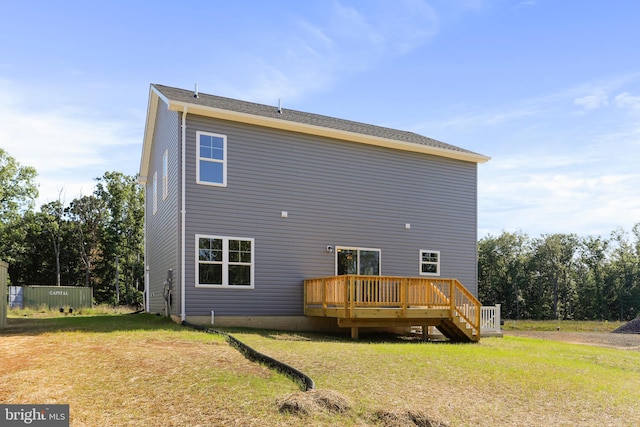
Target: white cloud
{"type": "Point", "coordinates": [554, 171]}
{"type": "Point", "coordinates": [626, 100]}
{"type": "Point", "coordinates": [591, 102]}
{"type": "Point", "coordinates": [557, 199]}
{"type": "Point", "coordinates": [310, 55]}
{"type": "Point", "coordinates": [67, 146]}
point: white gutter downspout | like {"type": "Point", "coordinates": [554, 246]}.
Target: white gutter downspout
{"type": "Point", "coordinates": [146, 294]}
{"type": "Point", "coordinates": [183, 304]}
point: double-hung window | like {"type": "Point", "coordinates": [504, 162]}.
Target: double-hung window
{"type": "Point", "coordinates": [429, 263]}
{"type": "Point", "coordinates": [224, 261]}
{"type": "Point", "coordinates": [211, 166]}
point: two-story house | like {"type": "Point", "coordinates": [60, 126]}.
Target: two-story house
{"type": "Point", "coordinates": [245, 202]}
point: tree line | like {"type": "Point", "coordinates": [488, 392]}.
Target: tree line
{"type": "Point", "coordinates": [561, 276]}
{"type": "Point", "coordinates": [95, 240]}
{"type": "Point", "coordinates": [98, 241]}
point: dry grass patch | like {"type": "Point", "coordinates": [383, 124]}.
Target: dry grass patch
{"type": "Point", "coordinates": [312, 401]}
{"type": "Point", "coordinates": [397, 418]}
{"type": "Point", "coordinates": [157, 376]}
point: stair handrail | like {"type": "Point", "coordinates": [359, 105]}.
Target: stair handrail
{"type": "Point", "coordinates": [459, 291]}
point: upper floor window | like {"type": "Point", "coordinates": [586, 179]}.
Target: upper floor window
{"type": "Point", "coordinates": [224, 261]}
{"type": "Point", "coordinates": [429, 263]}
{"type": "Point", "coordinates": [211, 168]}
{"type": "Point", "coordinates": [165, 174]}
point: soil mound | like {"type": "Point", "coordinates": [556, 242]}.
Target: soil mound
{"type": "Point", "coordinates": [632, 327]}
{"type": "Point", "coordinates": [306, 403]}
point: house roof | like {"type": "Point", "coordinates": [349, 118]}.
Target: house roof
{"type": "Point", "coordinates": [298, 121]}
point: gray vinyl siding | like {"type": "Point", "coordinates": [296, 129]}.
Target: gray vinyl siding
{"type": "Point", "coordinates": [336, 193]}
{"type": "Point", "coordinates": [162, 227]}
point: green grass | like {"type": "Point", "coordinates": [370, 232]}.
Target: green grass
{"type": "Point", "coordinates": [562, 325]}
{"type": "Point", "coordinates": [145, 370]}
{"type": "Point", "coordinates": [45, 312]}
{"type": "Point", "coordinates": [500, 381]}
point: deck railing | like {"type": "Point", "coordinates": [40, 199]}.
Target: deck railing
{"type": "Point", "coordinates": [350, 292]}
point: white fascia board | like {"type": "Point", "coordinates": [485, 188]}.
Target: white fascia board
{"type": "Point", "coordinates": [152, 111]}
{"type": "Point", "coordinates": [326, 132]}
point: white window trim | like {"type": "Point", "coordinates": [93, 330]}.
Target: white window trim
{"type": "Point", "coordinates": [225, 262]}
{"type": "Point", "coordinates": [223, 161]}
{"type": "Point", "coordinates": [356, 248]}
{"type": "Point", "coordinates": [155, 192]}
{"type": "Point", "coordinates": [165, 174]}
{"type": "Point", "coordinates": [420, 262]}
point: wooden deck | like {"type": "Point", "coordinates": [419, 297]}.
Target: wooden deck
{"type": "Point", "coordinates": [388, 301]}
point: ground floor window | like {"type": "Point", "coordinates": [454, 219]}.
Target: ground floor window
{"type": "Point", "coordinates": [224, 261]}
{"type": "Point", "coordinates": [429, 263]}
{"type": "Point", "coordinates": [364, 261]}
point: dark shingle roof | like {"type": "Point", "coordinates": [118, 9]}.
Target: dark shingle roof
{"type": "Point", "coordinates": [186, 96]}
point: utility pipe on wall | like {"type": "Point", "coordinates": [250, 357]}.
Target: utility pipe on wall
{"type": "Point", "coordinates": [183, 315]}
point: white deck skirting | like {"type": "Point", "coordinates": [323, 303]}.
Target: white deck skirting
{"type": "Point", "coordinates": [490, 321]}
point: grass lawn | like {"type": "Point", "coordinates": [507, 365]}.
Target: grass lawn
{"type": "Point", "coordinates": [143, 370]}
{"type": "Point", "coordinates": [561, 325]}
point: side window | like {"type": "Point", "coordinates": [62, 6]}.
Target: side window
{"type": "Point", "coordinates": [211, 167]}
{"type": "Point", "coordinates": [165, 174]}
{"type": "Point", "coordinates": [155, 192]}
{"type": "Point", "coordinates": [429, 263]}
{"type": "Point", "coordinates": [224, 262]}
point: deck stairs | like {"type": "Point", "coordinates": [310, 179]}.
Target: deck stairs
{"type": "Point", "coordinates": [457, 330]}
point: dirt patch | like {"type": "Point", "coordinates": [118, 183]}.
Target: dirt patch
{"type": "Point", "coordinates": [407, 418]}
{"type": "Point", "coordinates": [599, 339]}
{"type": "Point", "coordinates": [289, 337]}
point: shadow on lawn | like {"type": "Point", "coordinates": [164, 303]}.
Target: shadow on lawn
{"type": "Point", "coordinates": [149, 322]}
{"type": "Point", "coordinates": [365, 338]}
{"type": "Point", "coordinates": [93, 323]}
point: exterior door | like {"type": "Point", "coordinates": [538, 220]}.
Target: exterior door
{"type": "Point", "coordinates": [361, 261]}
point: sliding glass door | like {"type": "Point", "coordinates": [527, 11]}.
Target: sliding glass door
{"type": "Point", "coordinates": [363, 261]}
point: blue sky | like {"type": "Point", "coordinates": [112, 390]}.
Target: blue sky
{"type": "Point", "coordinates": [549, 89]}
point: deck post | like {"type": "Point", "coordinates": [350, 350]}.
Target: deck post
{"type": "Point", "coordinates": [304, 295]}
{"type": "Point", "coordinates": [351, 285]}
{"type": "Point", "coordinates": [345, 281]}
{"type": "Point", "coordinates": [324, 297]}
{"type": "Point", "coordinates": [452, 299]}
{"type": "Point", "coordinates": [404, 291]}
{"type": "Point", "coordinates": [354, 332]}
